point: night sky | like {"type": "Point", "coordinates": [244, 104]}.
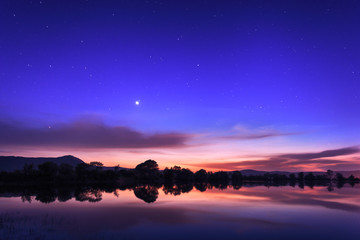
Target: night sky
{"type": "Point", "coordinates": [268, 85]}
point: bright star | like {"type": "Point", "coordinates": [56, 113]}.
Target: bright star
{"type": "Point", "coordinates": [137, 102]}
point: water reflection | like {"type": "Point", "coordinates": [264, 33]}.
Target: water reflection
{"type": "Point", "coordinates": [146, 193]}
{"type": "Point", "coordinates": [182, 211]}
{"type": "Point", "coordinates": [149, 193]}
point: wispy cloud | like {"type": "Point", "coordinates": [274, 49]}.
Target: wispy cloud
{"type": "Point", "coordinates": [255, 136]}
{"type": "Point", "coordinates": [327, 153]}
{"type": "Point", "coordinates": [88, 134]}
{"type": "Point", "coordinates": [240, 132]}
{"type": "Point", "coordinates": [292, 161]}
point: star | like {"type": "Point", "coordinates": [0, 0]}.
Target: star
{"type": "Point", "coordinates": [137, 103]}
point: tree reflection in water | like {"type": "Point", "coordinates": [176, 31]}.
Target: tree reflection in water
{"type": "Point", "coordinates": [90, 195]}
{"type": "Point", "coordinates": [146, 193]}
{"type": "Point", "coordinates": [149, 193]}
{"type": "Point", "coordinates": [177, 189]}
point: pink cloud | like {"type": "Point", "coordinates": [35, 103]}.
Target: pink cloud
{"type": "Point", "coordinates": [293, 161]}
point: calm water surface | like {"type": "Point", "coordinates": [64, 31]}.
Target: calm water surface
{"type": "Point", "coordinates": [247, 213]}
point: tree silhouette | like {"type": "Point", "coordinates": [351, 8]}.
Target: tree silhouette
{"type": "Point", "coordinates": [29, 170]}
{"type": "Point", "coordinates": [351, 178]}
{"type": "Point", "coordinates": [292, 177]}
{"type": "Point", "coordinates": [330, 174]}
{"type": "Point", "coordinates": [176, 180]}
{"type": "Point", "coordinates": [48, 170]}
{"type": "Point", "coordinates": [147, 166]}
{"type": "Point", "coordinates": [96, 164]}
{"type": "Point", "coordinates": [200, 176]}
{"type": "Point", "coordinates": [309, 177]}
{"type": "Point", "coordinates": [236, 177]}
{"type": "Point", "coordinates": [184, 175]}
{"type": "Point", "coordinates": [340, 177]}
{"type": "Point", "coordinates": [148, 170]}
{"type": "Point", "coordinates": [220, 176]}
{"type": "Point", "coordinates": [301, 176]}
{"type": "Point", "coordinates": [66, 173]}
{"type": "Point", "coordinates": [82, 172]}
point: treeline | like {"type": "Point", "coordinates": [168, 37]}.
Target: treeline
{"type": "Point", "coordinates": [148, 172]}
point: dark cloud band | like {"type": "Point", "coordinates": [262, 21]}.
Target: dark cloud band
{"type": "Point", "coordinates": [87, 134]}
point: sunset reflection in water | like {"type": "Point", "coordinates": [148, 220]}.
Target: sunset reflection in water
{"type": "Point", "coordinates": [249, 212]}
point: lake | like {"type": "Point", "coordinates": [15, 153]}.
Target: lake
{"type": "Point", "coordinates": [149, 212]}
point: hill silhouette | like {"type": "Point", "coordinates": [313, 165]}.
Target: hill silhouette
{"type": "Point", "coordinates": [12, 163]}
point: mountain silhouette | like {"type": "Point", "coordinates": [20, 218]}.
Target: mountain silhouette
{"type": "Point", "coordinates": [12, 163]}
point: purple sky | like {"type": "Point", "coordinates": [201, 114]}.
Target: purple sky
{"type": "Point", "coordinates": [218, 83]}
